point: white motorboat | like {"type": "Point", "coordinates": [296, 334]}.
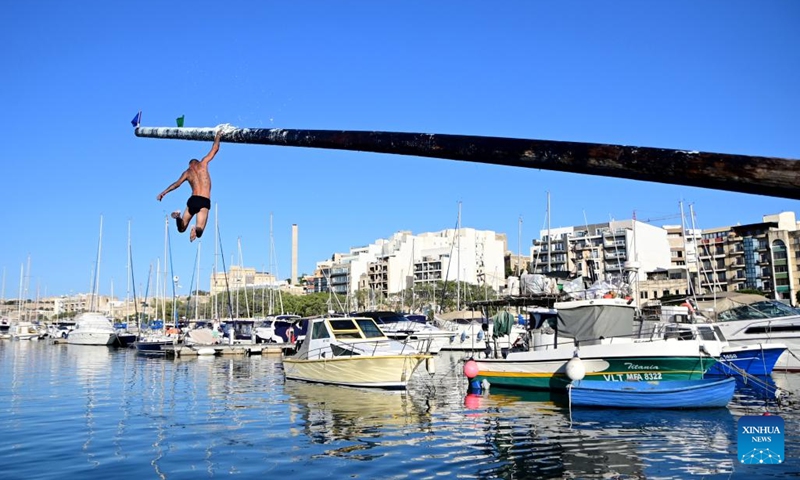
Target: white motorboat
{"type": "Point", "coordinates": [423, 336]}
{"type": "Point", "coordinates": [61, 328]}
{"type": "Point", "coordinates": [92, 328]}
{"type": "Point", "coordinates": [747, 319]}
{"type": "Point", "coordinates": [24, 331]}
{"type": "Point", "coordinates": [273, 329]}
{"type": "Point", "coordinates": [352, 351]}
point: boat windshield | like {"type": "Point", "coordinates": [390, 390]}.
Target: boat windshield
{"type": "Point", "coordinates": [369, 328]}
{"type": "Point", "coordinates": [392, 318]}
{"type": "Point", "coordinates": [758, 310]}
{"type": "Point", "coordinates": [344, 328]}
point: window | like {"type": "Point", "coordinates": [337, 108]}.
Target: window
{"type": "Point", "coordinates": [320, 330]}
{"type": "Point", "coordinates": [370, 328]}
{"type": "Point", "coordinates": [344, 328]}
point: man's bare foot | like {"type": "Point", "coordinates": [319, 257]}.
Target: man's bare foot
{"type": "Point", "coordinates": [192, 235]}
{"type": "Point", "coordinates": [176, 214]}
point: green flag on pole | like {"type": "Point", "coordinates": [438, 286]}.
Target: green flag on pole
{"type": "Point", "coordinates": [179, 120]}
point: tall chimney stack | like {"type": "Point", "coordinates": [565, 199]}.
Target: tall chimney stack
{"type": "Point", "coordinates": [294, 254]}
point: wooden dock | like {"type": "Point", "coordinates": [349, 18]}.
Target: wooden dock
{"type": "Point", "coordinates": [180, 351]}
{"type": "Point", "coordinates": [245, 349]}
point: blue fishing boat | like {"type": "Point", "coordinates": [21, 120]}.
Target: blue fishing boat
{"type": "Point", "coordinates": [758, 359]}
{"type": "Point", "coordinates": [704, 393]}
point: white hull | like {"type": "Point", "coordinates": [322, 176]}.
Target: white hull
{"type": "Point", "coordinates": [92, 328]}
{"type": "Point", "coordinates": [24, 331]}
{"type": "Point", "coordinates": [619, 348]}
{"type": "Point", "coordinates": [377, 372]}
{"type": "Point", "coordinates": [91, 338]}
{"type": "Point", "coordinates": [25, 336]}
{"type": "Point", "coordinates": [612, 361]}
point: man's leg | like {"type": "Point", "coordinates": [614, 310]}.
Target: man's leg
{"type": "Point", "coordinates": [200, 224]}
{"type": "Point", "coordinates": [182, 222]}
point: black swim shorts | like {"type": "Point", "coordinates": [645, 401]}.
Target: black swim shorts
{"type": "Point", "coordinates": [196, 202]}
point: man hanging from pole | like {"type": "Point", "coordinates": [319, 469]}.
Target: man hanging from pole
{"type": "Point", "coordinates": [200, 202]}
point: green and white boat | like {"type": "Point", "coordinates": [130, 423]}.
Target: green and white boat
{"type": "Point", "coordinates": [599, 332]}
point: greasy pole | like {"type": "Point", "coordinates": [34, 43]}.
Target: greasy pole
{"type": "Point", "coordinates": [776, 177]}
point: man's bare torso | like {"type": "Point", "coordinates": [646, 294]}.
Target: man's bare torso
{"type": "Point", "coordinates": [199, 179]}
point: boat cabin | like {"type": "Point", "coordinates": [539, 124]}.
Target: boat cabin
{"type": "Point", "coordinates": [329, 337]}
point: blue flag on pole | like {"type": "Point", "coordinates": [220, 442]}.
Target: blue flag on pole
{"type": "Point", "coordinates": [137, 119]}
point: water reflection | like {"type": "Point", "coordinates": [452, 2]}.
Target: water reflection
{"type": "Point", "coordinates": [327, 413]}
{"type": "Point", "coordinates": [531, 435]}
{"type": "Point", "coordinates": [92, 367]}
{"type": "Point", "coordinates": [659, 443]}
{"type": "Point", "coordinates": [97, 413]}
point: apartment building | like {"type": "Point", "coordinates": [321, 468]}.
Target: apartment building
{"type": "Point", "coordinates": [602, 251]}
{"type": "Point", "coordinates": [389, 266]}
{"type": "Point", "coordinates": [239, 277]}
{"type": "Point", "coordinates": [761, 256]}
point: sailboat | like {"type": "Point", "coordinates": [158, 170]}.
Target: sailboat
{"type": "Point", "coordinates": [125, 335]}
{"type": "Point", "coordinates": [22, 329]}
{"type": "Point", "coordinates": [275, 328]}
{"type": "Point", "coordinates": [149, 341]}
{"type": "Point", "coordinates": [93, 327]}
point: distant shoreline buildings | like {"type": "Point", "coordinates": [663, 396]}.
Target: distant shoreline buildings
{"type": "Point", "coordinates": [662, 260]}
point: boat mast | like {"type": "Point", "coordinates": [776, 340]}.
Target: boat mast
{"type": "Point", "coordinates": [164, 283]}
{"type": "Point", "coordinates": [215, 312]}
{"type": "Point", "coordinates": [3, 291]}
{"type": "Point", "coordinates": [548, 234]}
{"type": "Point", "coordinates": [519, 254]}
{"type": "Point", "coordinates": [197, 285]}
{"type": "Point", "coordinates": [19, 302]}
{"type": "Point", "coordinates": [157, 293]}
{"type": "Point", "coordinates": [27, 286]}
{"type": "Point", "coordinates": [700, 270]}
{"type": "Point", "coordinates": [36, 305]}
{"type": "Point", "coordinates": [244, 282]}
{"type": "Point", "coordinates": [128, 270]}
{"type": "Point", "coordinates": [458, 261]}
{"type": "Point", "coordinates": [689, 289]}
{"type": "Point", "coordinates": [96, 287]}
{"type": "Point", "coordinates": [271, 269]}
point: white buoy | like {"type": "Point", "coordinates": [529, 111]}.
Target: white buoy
{"type": "Point", "coordinates": [430, 365]}
{"type": "Point", "coordinates": [575, 368]}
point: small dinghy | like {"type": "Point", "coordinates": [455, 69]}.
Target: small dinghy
{"type": "Point", "coordinates": [705, 393]}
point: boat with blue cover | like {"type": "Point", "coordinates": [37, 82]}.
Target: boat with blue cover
{"type": "Point", "coordinates": [703, 393]}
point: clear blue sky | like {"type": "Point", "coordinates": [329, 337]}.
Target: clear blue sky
{"type": "Point", "coordinates": [719, 76]}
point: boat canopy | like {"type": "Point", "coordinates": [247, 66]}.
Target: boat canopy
{"type": "Point", "coordinates": [595, 321]}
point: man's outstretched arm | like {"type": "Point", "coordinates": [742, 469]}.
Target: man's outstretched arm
{"type": "Point", "coordinates": [177, 183]}
{"type": "Point", "coordinates": [214, 148]}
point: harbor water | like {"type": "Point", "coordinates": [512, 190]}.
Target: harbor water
{"type": "Point", "coordinates": [70, 411]}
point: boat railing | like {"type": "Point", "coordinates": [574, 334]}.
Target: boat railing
{"type": "Point", "coordinates": [348, 350]}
